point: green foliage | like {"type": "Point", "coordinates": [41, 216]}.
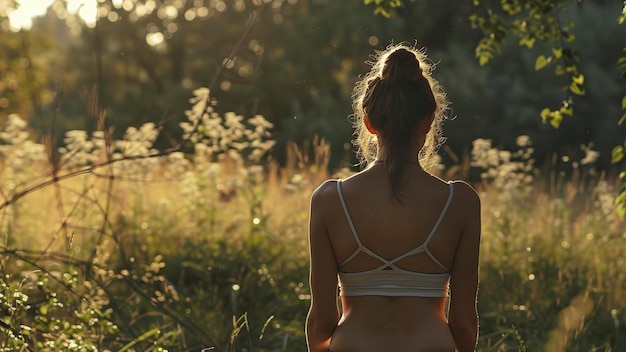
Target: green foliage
{"type": "Point", "coordinates": [541, 20]}
{"type": "Point", "coordinates": [23, 74]}
{"type": "Point", "coordinates": [531, 22]}
{"type": "Point", "coordinates": [617, 156]}
{"type": "Point", "coordinates": [618, 151]}
{"type": "Point", "coordinates": [555, 117]}
{"type": "Point", "coordinates": [384, 7]}
{"type": "Point", "coordinates": [42, 317]}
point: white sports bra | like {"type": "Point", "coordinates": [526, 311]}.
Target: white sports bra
{"type": "Point", "coordinates": [389, 279]}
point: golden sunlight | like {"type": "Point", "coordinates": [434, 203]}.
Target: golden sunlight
{"type": "Point", "coordinates": [21, 17]}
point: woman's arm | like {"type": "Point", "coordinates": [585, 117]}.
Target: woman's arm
{"type": "Point", "coordinates": [463, 314]}
{"type": "Point", "coordinates": [324, 311]}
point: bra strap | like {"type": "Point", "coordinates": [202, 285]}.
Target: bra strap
{"type": "Point", "coordinates": [349, 218]}
{"type": "Point", "coordinates": [443, 213]}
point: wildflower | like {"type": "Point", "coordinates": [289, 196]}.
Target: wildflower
{"type": "Point", "coordinates": [255, 170]}
{"type": "Point", "coordinates": [481, 143]}
{"type": "Point", "coordinates": [213, 170]}
{"type": "Point", "coordinates": [523, 141]}
{"type": "Point", "coordinates": [177, 163]}
{"type": "Point", "coordinates": [14, 131]}
{"type": "Point", "coordinates": [260, 124]}
{"type": "Point", "coordinates": [189, 188]}
{"type": "Point", "coordinates": [98, 138]}
{"type": "Point", "coordinates": [232, 120]}
{"type": "Point", "coordinates": [492, 157]}
{"type": "Point", "coordinates": [234, 154]}
{"type": "Point", "coordinates": [591, 156]}
{"type": "Point", "coordinates": [149, 132]}
{"type": "Point", "coordinates": [76, 137]}
{"type": "Point", "coordinates": [504, 156]}
{"type": "Point", "coordinates": [239, 146]}
{"type": "Point", "coordinates": [200, 94]}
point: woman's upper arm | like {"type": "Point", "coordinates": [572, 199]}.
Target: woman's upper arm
{"type": "Point", "coordinates": [464, 273]}
{"type": "Point", "coordinates": [323, 270]}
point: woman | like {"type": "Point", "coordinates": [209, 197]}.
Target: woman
{"type": "Point", "coordinates": [393, 237]}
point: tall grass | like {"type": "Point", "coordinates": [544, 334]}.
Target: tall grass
{"type": "Point", "coordinates": [125, 248]}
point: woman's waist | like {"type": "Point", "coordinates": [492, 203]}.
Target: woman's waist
{"type": "Point", "coordinates": [382, 310]}
{"type": "Point", "coordinates": [360, 331]}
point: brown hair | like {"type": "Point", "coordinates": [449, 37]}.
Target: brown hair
{"type": "Point", "coordinates": [396, 95]}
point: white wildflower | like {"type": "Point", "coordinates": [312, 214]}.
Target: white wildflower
{"type": "Point", "coordinates": [523, 141]}
{"type": "Point", "coordinates": [492, 157]}
{"type": "Point", "coordinates": [200, 94]}
{"type": "Point", "coordinates": [177, 164]}
{"type": "Point", "coordinates": [591, 156]}
{"type": "Point", "coordinates": [504, 156]}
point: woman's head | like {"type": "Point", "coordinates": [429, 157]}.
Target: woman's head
{"type": "Point", "coordinates": [395, 99]}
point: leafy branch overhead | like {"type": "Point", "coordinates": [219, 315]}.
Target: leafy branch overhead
{"type": "Point", "coordinates": [532, 22]}
{"type": "Point", "coordinates": [384, 7]}
{"type": "Point", "coordinates": [618, 151]}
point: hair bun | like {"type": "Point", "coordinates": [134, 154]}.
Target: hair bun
{"type": "Point", "coordinates": [401, 65]}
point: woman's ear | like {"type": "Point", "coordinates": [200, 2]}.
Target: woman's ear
{"type": "Point", "coordinates": [368, 125]}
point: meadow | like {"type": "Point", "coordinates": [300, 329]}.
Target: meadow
{"type": "Point", "coordinates": [111, 245]}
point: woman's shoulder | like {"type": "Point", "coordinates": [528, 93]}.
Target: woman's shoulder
{"type": "Point", "coordinates": [460, 188]}
{"type": "Point", "coordinates": [465, 193]}
{"type": "Point", "coordinates": [325, 191]}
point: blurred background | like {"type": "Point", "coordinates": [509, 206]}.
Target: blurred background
{"type": "Point", "coordinates": [295, 62]}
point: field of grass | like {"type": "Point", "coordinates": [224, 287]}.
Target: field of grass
{"type": "Point", "coordinates": [207, 249]}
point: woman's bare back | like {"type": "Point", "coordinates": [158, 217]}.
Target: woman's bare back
{"type": "Point", "coordinates": [391, 228]}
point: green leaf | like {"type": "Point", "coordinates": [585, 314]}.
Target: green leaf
{"type": "Point", "coordinates": [528, 41]}
{"type": "Point", "coordinates": [576, 89]}
{"type": "Point", "coordinates": [620, 204]}
{"type": "Point", "coordinates": [483, 59]}
{"type": "Point", "coordinates": [624, 102]}
{"type": "Point", "coordinates": [567, 110]}
{"type": "Point", "coordinates": [555, 119]}
{"type": "Point", "coordinates": [381, 11]}
{"type": "Point", "coordinates": [558, 52]}
{"type": "Point", "coordinates": [541, 62]}
{"type": "Point", "coordinates": [579, 79]}
{"type": "Point", "coordinates": [617, 154]}
{"type": "Point", "coordinates": [559, 70]}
